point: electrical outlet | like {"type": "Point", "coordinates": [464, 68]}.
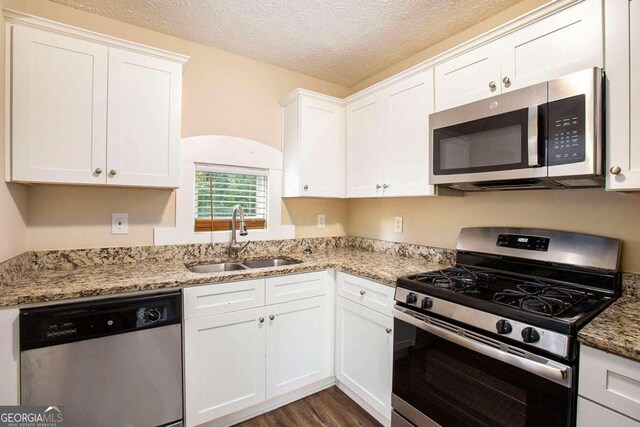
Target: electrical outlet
{"type": "Point", "coordinates": [119, 223]}
{"type": "Point", "coordinates": [397, 224]}
{"type": "Point", "coordinates": [321, 221]}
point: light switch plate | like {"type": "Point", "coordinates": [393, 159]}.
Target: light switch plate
{"type": "Point", "coordinates": [397, 224]}
{"type": "Point", "coordinates": [321, 221]}
{"type": "Point", "coordinates": [119, 223]}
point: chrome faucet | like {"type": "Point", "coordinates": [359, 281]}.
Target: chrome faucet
{"type": "Point", "coordinates": [234, 246]}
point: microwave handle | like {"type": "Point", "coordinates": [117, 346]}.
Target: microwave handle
{"type": "Point", "coordinates": [535, 136]}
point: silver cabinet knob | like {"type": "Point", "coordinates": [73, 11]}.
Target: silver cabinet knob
{"type": "Point", "coordinates": [113, 172]}
{"type": "Point", "coordinates": [306, 187]}
{"type": "Point", "coordinates": [271, 317]}
{"type": "Point", "coordinates": [98, 171]}
{"type": "Point", "coordinates": [385, 186]}
{"type": "Point", "coordinates": [261, 320]}
{"type": "Point", "coordinates": [378, 186]}
{"type": "Point", "coordinates": [492, 85]}
{"type": "Point", "coordinates": [506, 81]}
{"type": "Point", "coordinates": [388, 330]}
{"type": "Point", "coordinates": [362, 292]}
{"type": "Point", "coordinates": [615, 170]}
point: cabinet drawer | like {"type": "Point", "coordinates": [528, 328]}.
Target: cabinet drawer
{"type": "Point", "coordinates": [223, 298]}
{"type": "Point", "coordinates": [371, 294]}
{"type": "Point", "coordinates": [591, 414]}
{"type": "Point", "coordinates": [297, 286]}
{"type": "Point", "coordinates": [610, 380]}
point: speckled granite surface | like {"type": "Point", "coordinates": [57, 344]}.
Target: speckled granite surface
{"type": "Point", "coordinates": [617, 329]}
{"type": "Point", "coordinates": [59, 275]}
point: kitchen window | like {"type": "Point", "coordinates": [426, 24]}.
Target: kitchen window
{"type": "Point", "coordinates": [218, 189]}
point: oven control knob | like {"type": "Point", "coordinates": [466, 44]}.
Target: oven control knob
{"type": "Point", "coordinates": [503, 327]}
{"type": "Point", "coordinates": [412, 298]}
{"type": "Point", "coordinates": [530, 335]}
{"type": "Point", "coordinates": [426, 303]}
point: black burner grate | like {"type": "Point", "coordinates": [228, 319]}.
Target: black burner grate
{"type": "Point", "coordinates": [542, 298]}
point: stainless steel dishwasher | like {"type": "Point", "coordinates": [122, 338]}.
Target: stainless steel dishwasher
{"type": "Point", "coordinates": [115, 362]}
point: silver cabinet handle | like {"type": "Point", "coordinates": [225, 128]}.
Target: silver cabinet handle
{"type": "Point", "coordinates": [385, 186]}
{"type": "Point", "coordinates": [261, 320]}
{"type": "Point", "coordinates": [492, 85]}
{"type": "Point", "coordinates": [615, 170]}
{"type": "Point", "coordinates": [113, 172]}
{"type": "Point", "coordinates": [271, 317]}
{"type": "Point", "coordinates": [306, 187]}
{"type": "Point", "coordinates": [378, 186]}
{"type": "Point", "coordinates": [388, 330]}
{"type": "Point", "coordinates": [506, 81]}
{"type": "Point", "coordinates": [98, 171]}
{"type": "Point", "coordinates": [362, 292]}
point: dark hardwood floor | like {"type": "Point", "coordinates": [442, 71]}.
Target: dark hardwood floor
{"type": "Point", "coordinates": [330, 407]}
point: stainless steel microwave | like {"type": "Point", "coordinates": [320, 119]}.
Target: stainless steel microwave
{"type": "Point", "coordinates": [549, 135]}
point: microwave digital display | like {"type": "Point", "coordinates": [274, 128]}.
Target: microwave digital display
{"type": "Point", "coordinates": [566, 130]}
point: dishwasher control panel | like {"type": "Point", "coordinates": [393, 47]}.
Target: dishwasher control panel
{"type": "Point", "coordinates": [60, 324]}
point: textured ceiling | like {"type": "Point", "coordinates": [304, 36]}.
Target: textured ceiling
{"type": "Point", "coordinates": [342, 41]}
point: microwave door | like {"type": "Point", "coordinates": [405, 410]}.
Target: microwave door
{"type": "Point", "coordinates": [495, 139]}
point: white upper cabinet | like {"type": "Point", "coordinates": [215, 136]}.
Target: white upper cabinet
{"type": "Point", "coordinates": [622, 62]}
{"type": "Point", "coordinates": [313, 145]}
{"type": "Point", "coordinates": [364, 145]}
{"type": "Point", "coordinates": [388, 140]}
{"type": "Point", "coordinates": [145, 97]}
{"type": "Point", "coordinates": [469, 77]}
{"type": "Point", "coordinates": [58, 108]}
{"type": "Point", "coordinates": [90, 109]}
{"type": "Point", "coordinates": [561, 43]}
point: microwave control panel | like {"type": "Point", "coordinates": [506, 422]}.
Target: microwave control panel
{"type": "Point", "coordinates": [566, 121]}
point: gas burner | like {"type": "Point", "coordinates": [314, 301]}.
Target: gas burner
{"type": "Point", "coordinates": [456, 279]}
{"type": "Point", "coordinates": [549, 300]}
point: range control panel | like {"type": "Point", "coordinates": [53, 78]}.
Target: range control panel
{"type": "Point", "coordinates": [567, 130]}
{"type": "Point", "coordinates": [517, 241]}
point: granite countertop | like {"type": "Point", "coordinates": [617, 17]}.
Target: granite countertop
{"type": "Point", "coordinates": [48, 285]}
{"type": "Point", "coordinates": [617, 329]}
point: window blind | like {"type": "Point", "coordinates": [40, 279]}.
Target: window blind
{"type": "Point", "coordinates": [219, 189]}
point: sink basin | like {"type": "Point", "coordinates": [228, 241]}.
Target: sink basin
{"type": "Point", "coordinates": [271, 262]}
{"type": "Point", "coordinates": [217, 268]}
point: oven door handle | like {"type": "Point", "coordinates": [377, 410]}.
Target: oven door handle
{"type": "Point", "coordinates": [534, 137]}
{"type": "Point", "coordinates": [542, 367]}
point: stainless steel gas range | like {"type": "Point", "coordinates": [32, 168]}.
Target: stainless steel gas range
{"type": "Point", "coordinates": [492, 341]}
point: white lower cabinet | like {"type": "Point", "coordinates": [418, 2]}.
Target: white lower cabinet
{"type": "Point", "coordinates": [364, 353]}
{"type": "Point", "coordinates": [299, 349]}
{"type": "Point", "coordinates": [248, 353]}
{"type": "Point", "coordinates": [590, 414]}
{"type": "Point", "coordinates": [224, 364]}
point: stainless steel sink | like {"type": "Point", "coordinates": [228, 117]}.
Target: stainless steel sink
{"type": "Point", "coordinates": [270, 262]}
{"type": "Point", "coordinates": [217, 268]}
{"type": "Point", "coordinates": [241, 265]}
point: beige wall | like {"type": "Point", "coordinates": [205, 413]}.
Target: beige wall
{"type": "Point", "coordinates": [223, 94]}
{"type": "Point", "coordinates": [436, 221]}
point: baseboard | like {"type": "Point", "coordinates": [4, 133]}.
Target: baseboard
{"type": "Point", "coordinates": [364, 405]}
{"type": "Point", "coordinates": [271, 404]}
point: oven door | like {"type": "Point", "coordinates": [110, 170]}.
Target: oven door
{"type": "Point", "coordinates": [499, 138]}
{"type": "Point", "coordinates": [449, 376]}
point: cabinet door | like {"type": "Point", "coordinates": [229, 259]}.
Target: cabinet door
{"type": "Point", "coordinates": [364, 139]}
{"type": "Point", "coordinates": [568, 41]}
{"type": "Point", "coordinates": [144, 120]}
{"type": "Point", "coordinates": [469, 77]}
{"type": "Point", "coordinates": [591, 414]}
{"type": "Point", "coordinates": [622, 50]}
{"type": "Point", "coordinates": [364, 353]}
{"type": "Point", "coordinates": [58, 108]}
{"type": "Point", "coordinates": [299, 350]}
{"type": "Point", "coordinates": [224, 364]}
{"type": "Point", "coordinates": [320, 148]}
{"type": "Point", "coordinates": [406, 146]}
